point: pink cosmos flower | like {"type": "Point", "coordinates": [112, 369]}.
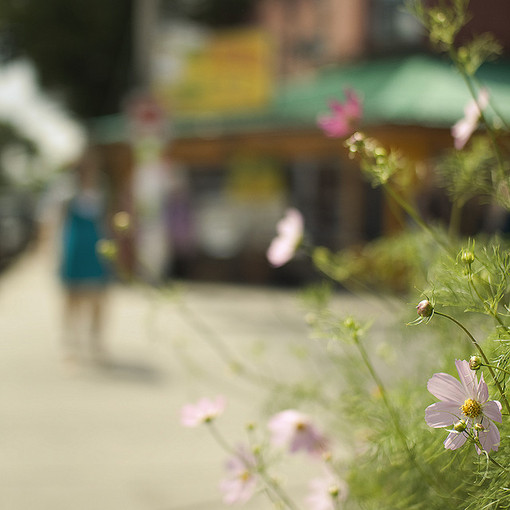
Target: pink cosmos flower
{"type": "Point", "coordinates": [290, 234]}
{"type": "Point", "coordinates": [464, 128]}
{"type": "Point", "coordinates": [464, 405]}
{"type": "Point", "coordinates": [241, 481]}
{"type": "Point", "coordinates": [204, 411]}
{"type": "Point", "coordinates": [325, 493]}
{"type": "Point", "coordinates": [344, 116]}
{"type": "Point", "coordinates": [295, 430]}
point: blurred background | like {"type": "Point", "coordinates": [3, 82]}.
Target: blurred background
{"type": "Point", "coordinates": [203, 117]}
{"type": "Point", "coordinates": [205, 114]}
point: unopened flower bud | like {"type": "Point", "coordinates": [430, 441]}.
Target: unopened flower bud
{"type": "Point", "coordinates": [334, 491]}
{"type": "Point", "coordinates": [424, 308]}
{"type": "Point", "coordinates": [349, 323]}
{"type": "Point", "coordinates": [463, 54]}
{"type": "Point", "coordinates": [467, 256]}
{"type": "Point", "coordinates": [438, 16]}
{"type": "Point", "coordinates": [475, 362]}
{"type": "Point", "coordinates": [460, 426]}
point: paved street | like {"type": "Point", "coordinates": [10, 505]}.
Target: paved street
{"type": "Point", "coordinates": [110, 438]}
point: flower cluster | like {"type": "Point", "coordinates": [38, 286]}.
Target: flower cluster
{"type": "Point", "coordinates": [465, 405]}
{"type": "Point", "coordinates": [246, 467]}
{"type": "Point", "coordinates": [393, 463]}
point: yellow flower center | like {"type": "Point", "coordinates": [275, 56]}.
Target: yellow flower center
{"type": "Point", "coordinates": [245, 476]}
{"type": "Point", "coordinates": [300, 426]}
{"type": "Point", "coordinates": [471, 408]}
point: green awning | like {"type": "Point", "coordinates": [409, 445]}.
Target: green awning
{"type": "Point", "coordinates": [418, 90]}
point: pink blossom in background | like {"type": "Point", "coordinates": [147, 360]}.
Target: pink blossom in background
{"type": "Point", "coordinates": [326, 493]}
{"type": "Point", "coordinates": [290, 234]}
{"type": "Point", "coordinates": [466, 400]}
{"type": "Point", "coordinates": [343, 118]}
{"type": "Point", "coordinates": [464, 128]}
{"type": "Point", "coordinates": [240, 483]}
{"type": "Point", "coordinates": [296, 431]}
{"type": "Point", "coordinates": [203, 411]}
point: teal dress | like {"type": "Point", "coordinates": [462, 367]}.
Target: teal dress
{"type": "Point", "coordinates": [81, 265]}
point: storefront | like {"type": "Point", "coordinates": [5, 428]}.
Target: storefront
{"type": "Point", "coordinates": [231, 177]}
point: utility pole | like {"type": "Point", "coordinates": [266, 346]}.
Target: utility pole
{"type": "Point", "coordinates": [145, 16]}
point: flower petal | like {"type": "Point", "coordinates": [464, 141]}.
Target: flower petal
{"type": "Point", "coordinates": [455, 440]}
{"type": "Point", "coordinates": [442, 414]}
{"type": "Point", "coordinates": [462, 131]}
{"type": "Point", "coordinates": [492, 409]}
{"type": "Point", "coordinates": [446, 387]}
{"type": "Point", "coordinates": [468, 379]}
{"type": "Point", "coordinates": [489, 438]}
{"type": "Point", "coordinates": [352, 104]}
{"type": "Point", "coordinates": [483, 390]}
{"type": "Point", "coordinates": [334, 127]}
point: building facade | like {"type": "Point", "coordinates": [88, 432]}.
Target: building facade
{"type": "Point", "coordinates": [243, 145]}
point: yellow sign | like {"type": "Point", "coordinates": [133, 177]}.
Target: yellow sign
{"type": "Point", "coordinates": [229, 71]}
{"type": "Point", "coordinates": [252, 178]}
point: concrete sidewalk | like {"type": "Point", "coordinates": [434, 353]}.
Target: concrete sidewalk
{"type": "Point", "coordinates": [110, 439]}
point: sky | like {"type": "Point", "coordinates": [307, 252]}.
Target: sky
{"type": "Point", "coordinates": [37, 116]}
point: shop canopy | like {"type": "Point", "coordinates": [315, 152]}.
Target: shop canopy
{"type": "Point", "coordinates": [417, 90]}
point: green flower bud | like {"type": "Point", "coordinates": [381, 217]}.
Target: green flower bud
{"type": "Point", "coordinates": [463, 54]}
{"type": "Point", "coordinates": [467, 256]}
{"type": "Point", "coordinates": [380, 152]}
{"type": "Point", "coordinates": [460, 426]}
{"type": "Point", "coordinates": [349, 323]}
{"type": "Point", "coordinates": [334, 491]}
{"type": "Point", "coordinates": [475, 362]}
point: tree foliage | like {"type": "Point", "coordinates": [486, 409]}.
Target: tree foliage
{"type": "Point", "coordinates": [81, 49]}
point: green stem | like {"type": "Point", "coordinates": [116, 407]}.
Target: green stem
{"type": "Point", "coordinates": [406, 206]}
{"type": "Point", "coordinates": [213, 339]}
{"type": "Point", "coordinates": [493, 106]}
{"type": "Point", "coordinates": [455, 217]}
{"type": "Point", "coordinates": [483, 117]}
{"type": "Point", "coordinates": [482, 354]}
{"type": "Point", "coordinates": [494, 461]}
{"type": "Point", "coordinates": [382, 390]}
{"type": "Point", "coordinates": [270, 484]}
{"type": "Point", "coordinates": [216, 342]}
{"type": "Point", "coordinates": [219, 438]}
{"type": "Point", "coordinates": [488, 309]}
{"type": "Point", "coordinates": [391, 411]}
{"type": "Point", "coordinates": [496, 367]}
{"type": "Point", "coordinates": [411, 211]}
